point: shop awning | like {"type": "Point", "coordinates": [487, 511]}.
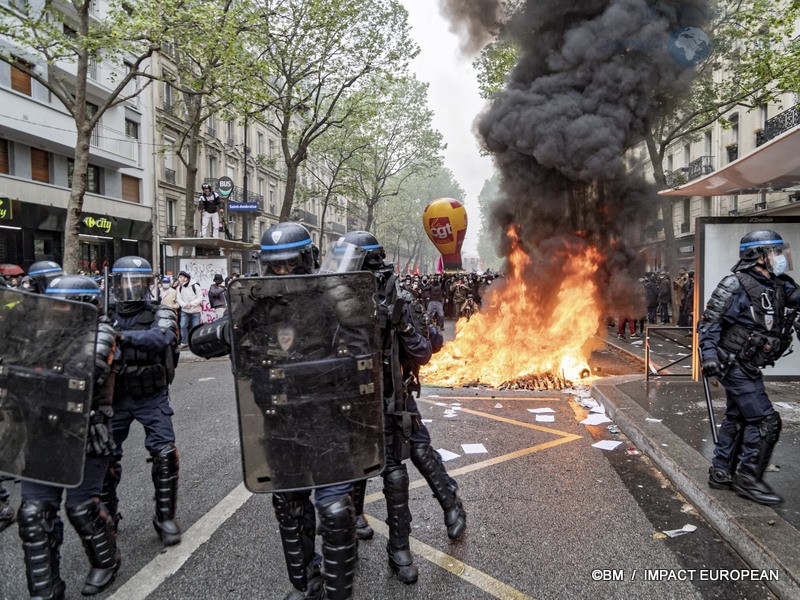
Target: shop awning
{"type": "Point", "coordinates": [772, 166]}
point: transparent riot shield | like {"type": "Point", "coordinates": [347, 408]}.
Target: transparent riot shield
{"type": "Point", "coordinates": [46, 377]}
{"type": "Point", "coordinates": [306, 361]}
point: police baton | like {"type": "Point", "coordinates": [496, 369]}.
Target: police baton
{"type": "Point", "coordinates": [105, 290]}
{"type": "Point", "coordinates": [709, 405]}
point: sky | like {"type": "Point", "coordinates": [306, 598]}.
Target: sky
{"type": "Point", "coordinates": [454, 98]}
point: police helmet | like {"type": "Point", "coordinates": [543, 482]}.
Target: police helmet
{"type": "Point", "coordinates": [287, 248]}
{"type": "Point", "coordinates": [43, 272]}
{"type": "Point", "coordinates": [373, 259]}
{"type": "Point", "coordinates": [131, 278]}
{"type": "Point", "coordinates": [205, 186]}
{"type": "Point", "coordinates": [756, 244]}
{"type": "Point", "coordinates": [75, 287]}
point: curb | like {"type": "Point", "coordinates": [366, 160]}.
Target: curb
{"type": "Point", "coordinates": [763, 539]}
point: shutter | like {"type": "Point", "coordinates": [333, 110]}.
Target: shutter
{"type": "Point", "coordinates": [20, 82]}
{"type": "Point", "coordinates": [4, 162]}
{"type": "Point", "coordinates": [130, 188]}
{"type": "Point", "coordinates": [40, 165]}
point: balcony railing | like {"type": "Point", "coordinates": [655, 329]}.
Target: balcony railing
{"type": "Point", "coordinates": [733, 152]}
{"type": "Point", "coordinates": [172, 230]}
{"type": "Point", "coordinates": [761, 206]}
{"type": "Point", "coordinates": [169, 175]}
{"type": "Point", "coordinates": [778, 124]}
{"type": "Point", "coordinates": [211, 132]}
{"type": "Point", "coordinates": [305, 216]}
{"type": "Point", "coordinates": [334, 227]}
{"type": "Point", "coordinates": [700, 166]}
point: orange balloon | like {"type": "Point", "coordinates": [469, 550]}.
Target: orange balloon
{"type": "Point", "coordinates": [445, 222]}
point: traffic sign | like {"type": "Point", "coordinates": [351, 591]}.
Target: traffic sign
{"type": "Point", "coordinates": [225, 186]}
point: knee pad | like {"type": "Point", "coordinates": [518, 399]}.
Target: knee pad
{"type": "Point", "coordinates": [770, 427]}
{"type": "Point", "coordinates": [396, 478]}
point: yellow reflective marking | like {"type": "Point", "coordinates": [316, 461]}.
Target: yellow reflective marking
{"type": "Point", "coordinates": [479, 579]}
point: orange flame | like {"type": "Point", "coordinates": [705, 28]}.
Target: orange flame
{"type": "Point", "coordinates": [512, 338]}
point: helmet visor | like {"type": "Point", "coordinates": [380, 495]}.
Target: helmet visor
{"type": "Point", "coordinates": [282, 264]}
{"type": "Point", "coordinates": [131, 287]}
{"type": "Point", "coordinates": [343, 257]}
{"type": "Point", "coordinates": [779, 259]}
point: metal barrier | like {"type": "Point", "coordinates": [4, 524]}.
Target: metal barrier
{"type": "Point", "coordinates": [650, 370]}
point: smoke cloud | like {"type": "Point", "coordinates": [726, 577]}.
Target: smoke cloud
{"type": "Point", "coordinates": [475, 20]}
{"type": "Point", "coordinates": [591, 75]}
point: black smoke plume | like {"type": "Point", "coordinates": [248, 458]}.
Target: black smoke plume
{"type": "Point", "coordinates": [476, 21]}
{"type": "Point", "coordinates": [591, 75]}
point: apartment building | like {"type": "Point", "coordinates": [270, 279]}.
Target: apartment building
{"type": "Point", "coordinates": [710, 150]}
{"type": "Point", "coordinates": [37, 140]}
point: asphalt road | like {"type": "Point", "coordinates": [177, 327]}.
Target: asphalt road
{"type": "Point", "coordinates": [549, 516]}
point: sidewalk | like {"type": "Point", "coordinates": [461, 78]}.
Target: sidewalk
{"type": "Point", "coordinates": [667, 419]}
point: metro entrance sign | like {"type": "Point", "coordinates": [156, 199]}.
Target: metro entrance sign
{"type": "Point", "coordinates": [225, 185]}
{"type": "Point", "coordinates": [242, 205]}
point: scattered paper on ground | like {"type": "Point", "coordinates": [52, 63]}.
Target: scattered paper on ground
{"type": "Point", "coordinates": [498, 405]}
{"type": "Point", "coordinates": [606, 444]}
{"type": "Point", "coordinates": [652, 420]}
{"type": "Point", "coordinates": [206, 379]}
{"type": "Point", "coordinates": [596, 419]}
{"type": "Point", "coordinates": [427, 420]}
{"type": "Point", "coordinates": [781, 404]}
{"type": "Point", "coordinates": [474, 449]}
{"type": "Point", "coordinates": [545, 418]}
{"type": "Point", "coordinates": [539, 411]}
{"type": "Point", "coordinates": [637, 343]}
{"type": "Point", "coordinates": [447, 455]}
{"type": "Point", "coordinates": [685, 529]}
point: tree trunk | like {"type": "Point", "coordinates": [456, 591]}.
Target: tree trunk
{"type": "Point", "coordinates": [666, 204]}
{"type": "Point", "coordinates": [80, 177]}
{"type": "Point", "coordinates": [288, 194]}
{"type": "Point", "coordinates": [370, 215]}
{"type": "Point", "coordinates": [190, 193]}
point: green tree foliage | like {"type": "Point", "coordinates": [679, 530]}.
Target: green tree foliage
{"type": "Point", "coordinates": [318, 52]}
{"type": "Point", "coordinates": [56, 43]}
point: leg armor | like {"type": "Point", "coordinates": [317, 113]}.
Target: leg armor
{"type": "Point", "coordinates": [297, 539]}
{"type": "Point", "coordinates": [165, 480]}
{"type": "Point", "coordinates": [7, 516]}
{"type": "Point", "coordinates": [363, 530]}
{"type": "Point", "coordinates": [726, 455]}
{"type": "Point", "coordinates": [41, 532]}
{"type": "Point", "coordinates": [339, 546]}
{"type": "Point", "coordinates": [109, 494]}
{"type": "Point", "coordinates": [398, 518]}
{"type": "Point", "coordinates": [96, 527]}
{"type": "Point", "coordinates": [758, 446]}
{"type": "Point", "coordinates": [444, 487]}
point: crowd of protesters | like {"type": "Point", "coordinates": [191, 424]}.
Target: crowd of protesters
{"type": "Point", "coordinates": [666, 300]}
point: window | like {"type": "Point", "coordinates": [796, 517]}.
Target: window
{"type": "Point", "coordinates": [260, 144]}
{"type": "Point", "coordinates": [670, 162]}
{"type": "Point", "coordinates": [687, 155]}
{"type": "Point", "coordinates": [131, 129]}
{"type": "Point", "coordinates": [93, 177]}
{"type": "Point", "coordinates": [168, 92]}
{"type": "Point", "coordinates": [5, 163]}
{"type": "Point", "coordinates": [261, 186]}
{"type": "Point", "coordinates": [20, 81]}
{"type": "Point", "coordinates": [272, 148]}
{"type": "Point", "coordinates": [212, 167]}
{"type": "Point", "coordinates": [130, 188]}
{"type": "Point", "coordinates": [40, 165]}
{"type": "Point", "coordinates": [230, 127]}
{"type": "Point", "coordinates": [763, 115]}
{"type": "Point", "coordinates": [172, 211]}
{"type": "Point", "coordinates": [707, 143]}
{"type": "Point", "coordinates": [169, 160]}
{"type": "Point", "coordinates": [687, 210]}
{"type": "Point", "coordinates": [272, 198]}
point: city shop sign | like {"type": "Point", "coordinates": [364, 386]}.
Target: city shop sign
{"type": "Point", "coordinates": [5, 209]}
{"type": "Point", "coordinates": [103, 223]}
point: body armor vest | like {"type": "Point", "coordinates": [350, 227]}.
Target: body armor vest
{"type": "Point", "coordinates": [141, 373]}
{"type": "Point", "coordinates": [760, 344]}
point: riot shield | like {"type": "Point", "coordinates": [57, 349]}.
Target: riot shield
{"type": "Point", "coordinates": [306, 361]}
{"type": "Point", "coordinates": [46, 377]}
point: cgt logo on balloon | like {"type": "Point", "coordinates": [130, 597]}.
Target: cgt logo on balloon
{"type": "Point", "coordinates": [441, 229]}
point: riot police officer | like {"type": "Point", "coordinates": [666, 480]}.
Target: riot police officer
{"type": "Point", "coordinates": [413, 343]}
{"type": "Point", "coordinates": [148, 341]}
{"type": "Point", "coordinates": [747, 325]}
{"type": "Point", "coordinates": [288, 249]}
{"type": "Point", "coordinates": [40, 527]}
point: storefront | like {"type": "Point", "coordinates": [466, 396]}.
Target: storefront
{"type": "Point", "coordinates": [32, 232]}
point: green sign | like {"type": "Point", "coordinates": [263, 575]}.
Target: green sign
{"type": "Point", "coordinates": [103, 223]}
{"type": "Point", "coordinates": [5, 209]}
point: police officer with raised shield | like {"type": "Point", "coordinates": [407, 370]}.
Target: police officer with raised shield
{"type": "Point", "coordinates": [305, 354]}
{"type": "Point", "coordinates": [46, 391]}
{"type": "Point", "coordinates": [748, 325]}
{"type": "Point", "coordinates": [148, 341]}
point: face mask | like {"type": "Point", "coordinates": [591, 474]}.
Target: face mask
{"type": "Point", "coordinates": [779, 264]}
{"type": "Point", "coordinates": [165, 285]}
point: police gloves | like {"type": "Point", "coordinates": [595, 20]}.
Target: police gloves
{"type": "Point", "coordinates": [712, 368]}
{"type": "Point", "coordinates": [99, 441]}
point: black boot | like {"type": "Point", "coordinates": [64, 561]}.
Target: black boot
{"type": "Point", "coordinates": [96, 528]}
{"type": "Point", "coordinates": [41, 532]}
{"type": "Point", "coordinates": [108, 496]}
{"type": "Point", "coordinates": [755, 489]}
{"type": "Point", "coordinates": [719, 479]}
{"type": "Point", "coordinates": [7, 516]}
{"type": "Point", "coordinates": [398, 518]}
{"type": "Point", "coordinates": [165, 480]}
{"type": "Point", "coordinates": [363, 529]}
{"type": "Point", "coordinates": [444, 488]}
{"type": "Point", "coordinates": [339, 546]}
{"type": "Point", "coordinates": [294, 514]}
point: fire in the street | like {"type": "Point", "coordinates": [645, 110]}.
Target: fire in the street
{"type": "Point", "coordinates": [516, 342]}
